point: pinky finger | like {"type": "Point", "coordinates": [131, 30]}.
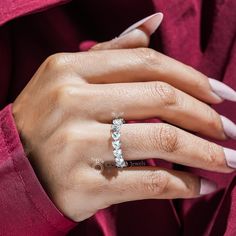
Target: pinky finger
{"type": "Point", "coordinates": [138, 183]}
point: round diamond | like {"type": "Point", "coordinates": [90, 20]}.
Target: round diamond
{"type": "Point", "coordinates": [116, 144]}
{"type": "Point", "coordinates": [118, 121]}
{"type": "Point", "coordinates": [117, 153]}
{"type": "Point", "coordinates": [116, 136]}
{"type": "Point", "coordinates": [123, 164]}
{"type": "Point", "coordinates": [120, 163]}
{"type": "Point", "coordinates": [115, 128]}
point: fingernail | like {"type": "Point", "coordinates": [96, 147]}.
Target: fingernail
{"type": "Point", "coordinates": [229, 127]}
{"type": "Point", "coordinates": [230, 157]}
{"type": "Point", "coordinates": [207, 186]}
{"type": "Point", "coordinates": [151, 23]}
{"type": "Point", "coordinates": [222, 90]}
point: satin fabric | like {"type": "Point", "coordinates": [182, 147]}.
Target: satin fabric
{"type": "Point", "coordinates": [198, 33]}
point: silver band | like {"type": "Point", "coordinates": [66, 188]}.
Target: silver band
{"type": "Point", "coordinates": [116, 143]}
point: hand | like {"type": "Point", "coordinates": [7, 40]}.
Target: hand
{"type": "Point", "coordinates": [64, 114]}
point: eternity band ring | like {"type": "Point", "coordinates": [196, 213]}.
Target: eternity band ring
{"type": "Point", "coordinates": [116, 143]}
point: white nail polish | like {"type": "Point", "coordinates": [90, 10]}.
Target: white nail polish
{"type": "Point", "coordinates": [151, 23]}
{"type": "Point", "coordinates": [222, 90]}
{"type": "Point", "coordinates": [230, 157]}
{"type": "Point", "coordinates": [229, 127]}
{"type": "Point", "coordinates": [207, 186]}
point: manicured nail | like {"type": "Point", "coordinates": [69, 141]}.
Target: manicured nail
{"type": "Point", "coordinates": [222, 90]}
{"type": "Point", "coordinates": [151, 23]}
{"type": "Point", "coordinates": [229, 127]}
{"type": "Point", "coordinates": [207, 186]}
{"type": "Point", "coordinates": [230, 157]}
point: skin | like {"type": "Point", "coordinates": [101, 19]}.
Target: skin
{"type": "Point", "coordinates": [64, 114]}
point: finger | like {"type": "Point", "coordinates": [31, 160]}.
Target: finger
{"type": "Point", "coordinates": [141, 65]}
{"type": "Point", "coordinates": [137, 35]}
{"type": "Point", "coordinates": [137, 183]}
{"type": "Point", "coordinates": [164, 141]}
{"type": "Point", "coordinates": [134, 39]}
{"type": "Point", "coordinates": [139, 101]}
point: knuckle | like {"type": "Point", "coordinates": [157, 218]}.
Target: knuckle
{"type": "Point", "coordinates": [148, 56]}
{"type": "Point", "coordinates": [199, 79]}
{"type": "Point", "coordinates": [155, 183]}
{"type": "Point", "coordinates": [200, 82]}
{"type": "Point", "coordinates": [164, 92]}
{"type": "Point", "coordinates": [77, 137]}
{"type": "Point", "coordinates": [213, 121]}
{"type": "Point", "coordinates": [192, 186]}
{"type": "Point", "coordinates": [165, 137]}
{"type": "Point", "coordinates": [73, 139]}
{"type": "Point", "coordinates": [64, 92]}
{"type": "Point", "coordinates": [213, 161]}
{"type": "Point", "coordinates": [56, 61]}
{"type": "Point", "coordinates": [66, 137]}
{"type": "Point", "coordinates": [63, 99]}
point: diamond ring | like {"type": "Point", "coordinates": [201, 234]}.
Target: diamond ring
{"type": "Point", "coordinates": [116, 143]}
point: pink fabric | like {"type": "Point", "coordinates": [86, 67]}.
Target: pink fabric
{"type": "Point", "coordinates": [12, 9]}
{"type": "Point", "coordinates": [25, 207]}
{"type": "Point", "coordinates": [199, 33]}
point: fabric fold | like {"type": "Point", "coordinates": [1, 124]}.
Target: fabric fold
{"type": "Point", "coordinates": [25, 206]}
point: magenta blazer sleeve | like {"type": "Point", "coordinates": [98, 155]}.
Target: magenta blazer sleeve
{"type": "Point", "coordinates": [23, 202]}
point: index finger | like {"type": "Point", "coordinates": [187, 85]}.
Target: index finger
{"type": "Point", "coordinates": [144, 64]}
{"type": "Point", "coordinates": [137, 35]}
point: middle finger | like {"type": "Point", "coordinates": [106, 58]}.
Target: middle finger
{"type": "Point", "coordinates": [144, 100]}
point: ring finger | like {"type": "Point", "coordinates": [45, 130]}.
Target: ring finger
{"type": "Point", "coordinates": [143, 141]}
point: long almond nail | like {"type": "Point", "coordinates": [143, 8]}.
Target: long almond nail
{"type": "Point", "coordinates": [229, 127]}
{"type": "Point", "coordinates": [222, 90]}
{"type": "Point", "coordinates": [207, 186]}
{"type": "Point", "coordinates": [230, 157]}
{"type": "Point", "coordinates": [151, 23]}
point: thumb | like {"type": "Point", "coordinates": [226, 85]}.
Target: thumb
{"type": "Point", "coordinates": [137, 35]}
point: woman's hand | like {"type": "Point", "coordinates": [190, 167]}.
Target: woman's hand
{"type": "Point", "coordinates": [64, 117]}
